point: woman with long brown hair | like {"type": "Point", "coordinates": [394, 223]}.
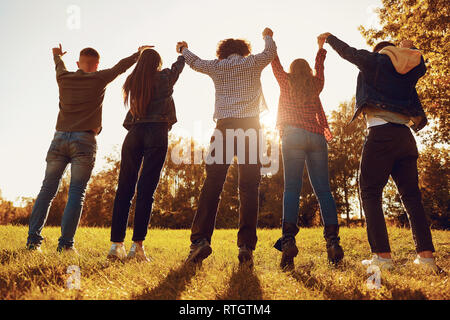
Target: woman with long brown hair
{"type": "Point", "coordinates": [148, 93]}
{"type": "Point", "coordinates": [304, 132]}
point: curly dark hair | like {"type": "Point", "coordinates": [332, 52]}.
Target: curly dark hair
{"type": "Point", "coordinates": [227, 47]}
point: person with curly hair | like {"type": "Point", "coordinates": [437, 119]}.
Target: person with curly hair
{"type": "Point", "coordinates": [239, 101]}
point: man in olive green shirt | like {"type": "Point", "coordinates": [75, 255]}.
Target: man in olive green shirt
{"type": "Point", "coordinates": [79, 121]}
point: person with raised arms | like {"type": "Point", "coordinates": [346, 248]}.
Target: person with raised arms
{"type": "Point", "coordinates": [239, 101]}
{"type": "Point", "coordinates": [386, 95]}
{"type": "Point", "coordinates": [79, 121]}
{"type": "Point", "coordinates": [148, 93]}
{"type": "Point", "coordinates": [304, 133]}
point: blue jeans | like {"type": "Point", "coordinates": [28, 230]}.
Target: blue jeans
{"type": "Point", "coordinates": [300, 146]}
{"type": "Point", "coordinates": [79, 149]}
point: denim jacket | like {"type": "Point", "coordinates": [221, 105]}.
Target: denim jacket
{"type": "Point", "coordinates": [162, 107]}
{"type": "Point", "coordinates": [380, 85]}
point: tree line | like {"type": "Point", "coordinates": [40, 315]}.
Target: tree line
{"type": "Point", "coordinates": [176, 198]}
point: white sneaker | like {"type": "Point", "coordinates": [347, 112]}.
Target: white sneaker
{"type": "Point", "coordinates": [137, 252]}
{"type": "Point", "coordinates": [427, 263]}
{"type": "Point", "coordinates": [382, 263]}
{"type": "Point", "coordinates": [117, 252]}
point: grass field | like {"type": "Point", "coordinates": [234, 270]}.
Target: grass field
{"type": "Point", "coordinates": [30, 275]}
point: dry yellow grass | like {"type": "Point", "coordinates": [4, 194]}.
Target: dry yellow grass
{"type": "Point", "coordinates": [30, 275]}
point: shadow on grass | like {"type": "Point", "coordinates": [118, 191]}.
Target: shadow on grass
{"type": "Point", "coordinates": [14, 286]}
{"type": "Point", "coordinates": [243, 284]}
{"type": "Point", "coordinates": [404, 293]}
{"type": "Point", "coordinates": [303, 274]}
{"type": "Point", "coordinates": [172, 286]}
{"type": "Point", "coordinates": [7, 255]}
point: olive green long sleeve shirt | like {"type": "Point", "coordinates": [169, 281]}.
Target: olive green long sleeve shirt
{"type": "Point", "coordinates": [81, 94]}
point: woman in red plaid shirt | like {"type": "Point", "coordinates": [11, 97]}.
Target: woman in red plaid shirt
{"type": "Point", "coordinates": [305, 132]}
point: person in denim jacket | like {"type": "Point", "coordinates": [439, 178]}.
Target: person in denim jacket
{"type": "Point", "coordinates": [386, 94]}
{"type": "Point", "coordinates": [148, 93]}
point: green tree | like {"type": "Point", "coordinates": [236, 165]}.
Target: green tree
{"type": "Point", "coordinates": [344, 158]}
{"type": "Point", "coordinates": [434, 185]}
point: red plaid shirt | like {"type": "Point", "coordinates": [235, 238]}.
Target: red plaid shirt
{"type": "Point", "coordinates": [308, 113]}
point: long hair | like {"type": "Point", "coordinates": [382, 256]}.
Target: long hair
{"type": "Point", "coordinates": [301, 79]}
{"type": "Point", "coordinates": [140, 84]}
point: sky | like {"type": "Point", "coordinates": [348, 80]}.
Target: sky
{"type": "Point", "coordinates": [29, 92]}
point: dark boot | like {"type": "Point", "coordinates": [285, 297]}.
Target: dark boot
{"type": "Point", "coordinates": [286, 244]}
{"type": "Point", "coordinates": [200, 250]}
{"type": "Point", "coordinates": [290, 251]}
{"type": "Point", "coordinates": [334, 250]}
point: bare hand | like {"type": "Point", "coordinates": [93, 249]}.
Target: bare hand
{"type": "Point", "coordinates": [142, 48]}
{"type": "Point", "coordinates": [267, 32]}
{"type": "Point", "coordinates": [320, 41]}
{"type": "Point", "coordinates": [59, 51]}
{"type": "Point", "coordinates": [406, 44]}
{"type": "Point", "coordinates": [324, 36]}
{"type": "Point", "coordinates": [181, 45]}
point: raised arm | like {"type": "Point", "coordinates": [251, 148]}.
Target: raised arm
{"type": "Point", "coordinates": [60, 67]}
{"type": "Point", "coordinates": [278, 70]}
{"type": "Point", "coordinates": [270, 50]}
{"type": "Point", "coordinates": [110, 74]}
{"type": "Point", "coordinates": [197, 64]}
{"type": "Point", "coordinates": [319, 78]}
{"type": "Point", "coordinates": [363, 59]}
{"type": "Point", "coordinates": [176, 69]}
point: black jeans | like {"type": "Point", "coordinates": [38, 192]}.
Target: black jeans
{"type": "Point", "coordinates": [390, 149]}
{"type": "Point", "coordinates": [145, 145]}
{"type": "Point", "coordinates": [249, 179]}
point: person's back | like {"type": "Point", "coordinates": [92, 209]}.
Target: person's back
{"type": "Point", "coordinates": [398, 90]}
{"type": "Point", "coordinates": [81, 93]}
{"type": "Point", "coordinates": [238, 102]}
{"type": "Point", "coordinates": [236, 76]}
{"type": "Point", "coordinates": [238, 72]}
{"type": "Point", "coordinates": [81, 96]}
{"type": "Point", "coordinates": [299, 103]}
{"type": "Point", "coordinates": [381, 85]}
{"type": "Point", "coordinates": [386, 94]}
{"type": "Point", "coordinates": [394, 86]}
{"type": "Point", "coordinates": [304, 134]}
{"type": "Point", "coordinates": [161, 107]}
{"type": "Point", "coordinates": [148, 92]}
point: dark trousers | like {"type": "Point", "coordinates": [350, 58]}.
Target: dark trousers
{"type": "Point", "coordinates": [249, 172]}
{"type": "Point", "coordinates": [145, 145]}
{"type": "Point", "coordinates": [390, 149]}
